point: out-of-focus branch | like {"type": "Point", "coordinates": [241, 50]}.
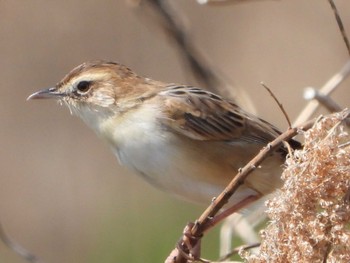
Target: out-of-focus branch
{"type": "Point", "coordinates": [313, 94]}
{"type": "Point", "coordinates": [322, 96]}
{"type": "Point", "coordinates": [175, 30]}
{"type": "Point", "coordinates": [224, 2]}
{"type": "Point", "coordinates": [237, 250]}
{"type": "Point", "coordinates": [19, 250]}
{"type": "Point", "coordinates": [205, 74]}
{"type": "Point", "coordinates": [340, 25]}
{"type": "Point", "coordinates": [326, 90]}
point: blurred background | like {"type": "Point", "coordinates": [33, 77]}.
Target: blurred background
{"type": "Point", "coordinates": [63, 195]}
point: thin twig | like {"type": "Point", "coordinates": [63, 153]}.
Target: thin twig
{"type": "Point", "coordinates": [19, 250]}
{"type": "Point", "coordinates": [202, 223]}
{"type": "Point", "coordinates": [237, 250]}
{"type": "Point", "coordinates": [278, 103]}
{"type": "Point", "coordinates": [204, 220]}
{"type": "Point", "coordinates": [326, 90]}
{"type": "Point", "coordinates": [340, 24]}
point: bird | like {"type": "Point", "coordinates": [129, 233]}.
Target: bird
{"type": "Point", "coordinates": [182, 139]}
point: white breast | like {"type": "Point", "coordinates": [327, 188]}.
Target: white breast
{"type": "Point", "coordinates": [165, 159]}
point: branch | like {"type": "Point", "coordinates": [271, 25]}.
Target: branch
{"type": "Point", "coordinates": [340, 25]}
{"type": "Point", "coordinates": [223, 2]}
{"type": "Point", "coordinates": [326, 90]}
{"type": "Point", "coordinates": [308, 218]}
{"type": "Point", "coordinates": [205, 74]}
{"type": "Point", "coordinates": [19, 250]}
{"type": "Point", "coordinates": [278, 103]}
{"type": "Point", "coordinates": [334, 82]}
{"type": "Point", "coordinates": [201, 225]}
{"type": "Point", "coordinates": [237, 250]}
{"type": "Point", "coordinates": [313, 94]}
{"type": "Point", "coordinates": [175, 30]}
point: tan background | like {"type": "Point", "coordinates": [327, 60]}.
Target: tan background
{"type": "Point", "coordinates": [62, 193]}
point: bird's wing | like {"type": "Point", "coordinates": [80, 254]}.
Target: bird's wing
{"type": "Point", "coordinates": [202, 115]}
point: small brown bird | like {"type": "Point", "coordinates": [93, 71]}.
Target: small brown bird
{"type": "Point", "coordinates": [182, 139]}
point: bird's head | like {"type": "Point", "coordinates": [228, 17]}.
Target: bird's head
{"type": "Point", "coordinates": [98, 89]}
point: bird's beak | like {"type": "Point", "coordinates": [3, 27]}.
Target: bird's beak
{"type": "Point", "coordinates": [50, 93]}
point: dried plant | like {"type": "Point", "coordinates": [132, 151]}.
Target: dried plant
{"type": "Point", "coordinates": [310, 215]}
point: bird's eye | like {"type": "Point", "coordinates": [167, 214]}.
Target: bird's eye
{"type": "Point", "coordinates": [83, 86]}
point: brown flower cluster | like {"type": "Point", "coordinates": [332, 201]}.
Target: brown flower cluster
{"type": "Point", "coordinates": [310, 215]}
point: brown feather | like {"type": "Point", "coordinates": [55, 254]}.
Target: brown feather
{"type": "Point", "coordinates": [202, 115]}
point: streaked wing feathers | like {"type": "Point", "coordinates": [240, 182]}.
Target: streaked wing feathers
{"type": "Point", "coordinates": [202, 115]}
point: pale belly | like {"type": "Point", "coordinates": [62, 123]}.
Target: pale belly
{"type": "Point", "coordinates": [191, 169]}
{"type": "Point", "coordinates": [196, 171]}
